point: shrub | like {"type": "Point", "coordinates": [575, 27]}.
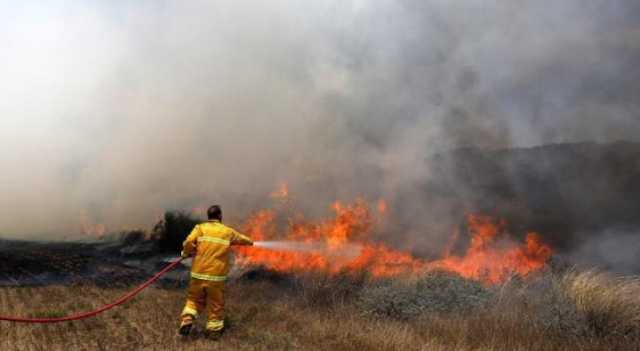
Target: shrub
{"type": "Point", "coordinates": [541, 302]}
{"type": "Point", "coordinates": [312, 289]}
{"type": "Point", "coordinates": [322, 290]}
{"type": "Point", "coordinates": [173, 230]}
{"type": "Point", "coordinates": [132, 237]}
{"type": "Point", "coordinates": [437, 292]}
{"type": "Point", "coordinates": [576, 304]}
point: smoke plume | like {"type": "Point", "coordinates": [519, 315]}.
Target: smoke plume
{"type": "Point", "coordinates": [115, 111]}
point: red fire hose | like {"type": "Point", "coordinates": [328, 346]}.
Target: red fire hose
{"type": "Point", "coordinates": [90, 314]}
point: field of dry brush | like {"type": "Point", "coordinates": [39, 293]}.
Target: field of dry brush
{"type": "Point", "coordinates": [568, 311]}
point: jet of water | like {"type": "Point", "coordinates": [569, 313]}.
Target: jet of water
{"type": "Point", "coordinates": [347, 250]}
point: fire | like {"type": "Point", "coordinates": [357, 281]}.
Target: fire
{"type": "Point", "coordinates": [344, 243]}
{"type": "Point", "coordinates": [491, 257]}
{"type": "Point", "coordinates": [282, 193]}
{"type": "Point", "coordinates": [382, 206]}
{"type": "Point", "coordinates": [93, 230]}
{"type": "Point", "coordinates": [89, 228]}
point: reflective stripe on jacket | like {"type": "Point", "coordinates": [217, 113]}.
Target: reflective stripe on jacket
{"type": "Point", "coordinates": [210, 242]}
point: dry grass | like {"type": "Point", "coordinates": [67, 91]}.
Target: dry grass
{"type": "Point", "coordinates": [576, 311]}
{"type": "Point", "coordinates": [611, 306]}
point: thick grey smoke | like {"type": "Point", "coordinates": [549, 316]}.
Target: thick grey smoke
{"type": "Point", "coordinates": [615, 249]}
{"type": "Point", "coordinates": [114, 111]}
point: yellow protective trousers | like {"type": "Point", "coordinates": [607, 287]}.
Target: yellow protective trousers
{"type": "Point", "coordinates": [201, 294]}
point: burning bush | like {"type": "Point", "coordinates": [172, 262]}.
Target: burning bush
{"type": "Point", "coordinates": [345, 243]}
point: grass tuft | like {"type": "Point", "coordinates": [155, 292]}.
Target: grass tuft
{"type": "Point", "coordinates": [610, 306]}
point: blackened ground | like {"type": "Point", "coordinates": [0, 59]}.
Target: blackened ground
{"type": "Point", "coordinates": [109, 263]}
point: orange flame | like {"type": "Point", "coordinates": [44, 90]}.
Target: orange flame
{"type": "Point", "coordinates": [282, 193]}
{"type": "Point", "coordinates": [382, 206]}
{"type": "Point", "coordinates": [93, 230]}
{"type": "Point", "coordinates": [493, 258]}
{"type": "Point", "coordinates": [345, 245]}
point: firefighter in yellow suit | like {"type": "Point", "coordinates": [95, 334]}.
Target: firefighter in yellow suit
{"type": "Point", "coordinates": [209, 242]}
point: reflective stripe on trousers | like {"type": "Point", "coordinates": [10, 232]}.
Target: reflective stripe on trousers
{"type": "Point", "coordinates": [188, 311]}
{"type": "Point", "coordinates": [210, 278]}
{"type": "Point", "coordinates": [215, 325]}
{"type": "Point", "coordinates": [209, 295]}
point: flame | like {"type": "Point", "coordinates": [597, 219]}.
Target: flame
{"type": "Point", "coordinates": [492, 257]}
{"type": "Point", "coordinates": [382, 206]}
{"type": "Point", "coordinates": [94, 230]}
{"type": "Point", "coordinates": [89, 227]}
{"type": "Point", "coordinates": [282, 193]}
{"type": "Point", "coordinates": [344, 244]}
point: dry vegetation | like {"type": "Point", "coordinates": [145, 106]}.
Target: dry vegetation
{"type": "Point", "coordinates": [569, 311]}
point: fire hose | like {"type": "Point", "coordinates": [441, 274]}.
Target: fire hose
{"type": "Point", "coordinates": [123, 299]}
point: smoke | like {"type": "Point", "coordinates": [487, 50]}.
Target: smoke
{"type": "Point", "coordinates": [615, 249]}
{"type": "Point", "coordinates": [112, 112]}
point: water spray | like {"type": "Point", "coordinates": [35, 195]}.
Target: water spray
{"type": "Point", "coordinates": [345, 250]}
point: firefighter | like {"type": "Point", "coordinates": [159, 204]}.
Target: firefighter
{"type": "Point", "coordinates": [209, 243]}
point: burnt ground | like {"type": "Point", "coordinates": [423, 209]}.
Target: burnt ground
{"type": "Point", "coordinates": [103, 263]}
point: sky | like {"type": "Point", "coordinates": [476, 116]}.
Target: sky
{"type": "Point", "coordinates": [113, 111]}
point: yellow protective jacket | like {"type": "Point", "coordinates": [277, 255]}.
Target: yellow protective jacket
{"type": "Point", "coordinates": [210, 241]}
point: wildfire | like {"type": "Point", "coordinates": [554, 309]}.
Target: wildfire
{"type": "Point", "coordinates": [491, 257]}
{"type": "Point", "coordinates": [382, 206]}
{"type": "Point", "coordinates": [89, 228]}
{"type": "Point", "coordinates": [96, 230]}
{"type": "Point", "coordinates": [344, 243]}
{"type": "Point", "coordinates": [282, 193]}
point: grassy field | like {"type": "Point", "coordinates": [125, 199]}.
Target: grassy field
{"type": "Point", "coordinates": [572, 311]}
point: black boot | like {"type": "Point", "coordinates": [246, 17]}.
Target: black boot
{"type": "Point", "coordinates": [214, 334]}
{"type": "Point", "coordinates": [185, 329]}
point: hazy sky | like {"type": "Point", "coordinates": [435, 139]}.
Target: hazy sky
{"type": "Point", "coordinates": [112, 111]}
